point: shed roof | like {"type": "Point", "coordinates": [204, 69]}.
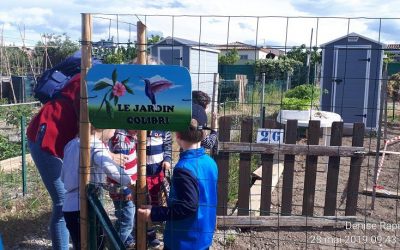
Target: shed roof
{"type": "Point", "coordinates": [394, 46]}
{"type": "Point", "coordinates": [189, 43]}
{"type": "Point", "coordinates": [353, 34]}
{"type": "Point", "coordinates": [244, 46]}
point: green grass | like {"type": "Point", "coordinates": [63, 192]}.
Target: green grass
{"type": "Point", "coordinates": [12, 201]}
{"type": "Point", "coordinates": [8, 149]}
{"type": "Point", "coordinates": [252, 105]}
{"type": "Point", "coordinates": [233, 186]}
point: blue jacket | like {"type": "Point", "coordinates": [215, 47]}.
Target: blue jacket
{"type": "Point", "coordinates": [192, 203]}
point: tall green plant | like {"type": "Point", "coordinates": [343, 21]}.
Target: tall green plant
{"type": "Point", "coordinates": [231, 57]}
{"type": "Point", "coordinates": [58, 48]}
{"type": "Point", "coordinates": [277, 69]}
{"type": "Point", "coordinates": [12, 114]}
{"type": "Point", "coordinates": [302, 97]}
{"type": "Point", "coordinates": [118, 55]}
{"type": "Point", "coordinates": [8, 149]}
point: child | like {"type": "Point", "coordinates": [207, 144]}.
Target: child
{"type": "Point", "coordinates": [102, 165]}
{"type": "Point", "coordinates": [124, 142]}
{"type": "Point", "coordinates": [192, 203]}
{"type": "Point", "coordinates": [70, 178]}
{"type": "Point", "coordinates": [211, 140]}
{"type": "Point", "coordinates": [159, 153]}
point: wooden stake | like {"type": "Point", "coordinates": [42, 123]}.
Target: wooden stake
{"type": "Point", "coordinates": [9, 74]}
{"type": "Point", "coordinates": [283, 221]}
{"type": "Point", "coordinates": [84, 128]}
{"type": "Point", "coordinates": [141, 189]}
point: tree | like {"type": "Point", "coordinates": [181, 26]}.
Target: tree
{"type": "Point", "coordinates": [301, 53]}
{"type": "Point", "coordinates": [277, 69]}
{"type": "Point", "coordinates": [119, 55]}
{"type": "Point", "coordinates": [393, 87]}
{"type": "Point", "coordinates": [231, 57]}
{"type": "Point", "coordinates": [58, 48]}
{"type": "Point", "coordinates": [309, 58]}
{"type": "Point", "coordinates": [14, 61]}
{"type": "Point", "coordinates": [154, 39]}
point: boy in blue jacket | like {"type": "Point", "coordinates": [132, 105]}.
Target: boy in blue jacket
{"type": "Point", "coordinates": [191, 212]}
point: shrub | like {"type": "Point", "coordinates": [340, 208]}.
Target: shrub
{"type": "Point", "coordinates": [393, 88]}
{"type": "Point", "coordinates": [13, 114]}
{"type": "Point", "coordinates": [302, 97]}
{"type": "Point", "coordinates": [8, 149]}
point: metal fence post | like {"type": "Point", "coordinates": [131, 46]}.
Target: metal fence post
{"type": "Point", "coordinates": [262, 111]}
{"type": "Point", "coordinates": [23, 147]}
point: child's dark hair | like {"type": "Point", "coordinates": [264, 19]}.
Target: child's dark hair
{"type": "Point", "coordinates": [201, 98]}
{"type": "Point", "coordinates": [192, 134]}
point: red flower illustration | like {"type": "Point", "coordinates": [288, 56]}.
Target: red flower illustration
{"type": "Point", "coordinates": [114, 91]}
{"type": "Point", "coordinates": [118, 89]}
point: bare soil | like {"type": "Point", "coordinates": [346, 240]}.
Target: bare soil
{"type": "Point", "coordinates": [383, 221]}
{"type": "Point", "coordinates": [24, 231]}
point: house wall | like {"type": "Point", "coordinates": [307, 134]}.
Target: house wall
{"type": "Point", "coordinates": [203, 65]}
{"type": "Point", "coordinates": [252, 55]}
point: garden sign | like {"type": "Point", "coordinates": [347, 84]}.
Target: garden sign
{"type": "Point", "coordinates": [140, 97]}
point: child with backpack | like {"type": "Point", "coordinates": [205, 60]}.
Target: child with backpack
{"type": "Point", "coordinates": [102, 166]}
{"type": "Point", "coordinates": [191, 212]}
{"type": "Point", "coordinates": [51, 129]}
{"type": "Point", "coordinates": [48, 132]}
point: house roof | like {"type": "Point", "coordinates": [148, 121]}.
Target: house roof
{"type": "Point", "coordinates": [394, 46]}
{"type": "Point", "coordinates": [244, 46]}
{"type": "Point", "coordinates": [352, 34]}
{"type": "Point", "coordinates": [189, 43]}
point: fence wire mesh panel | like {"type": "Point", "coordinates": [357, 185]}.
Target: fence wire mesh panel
{"type": "Point", "coordinates": [307, 123]}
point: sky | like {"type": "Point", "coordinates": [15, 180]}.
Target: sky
{"type": "Point", "coordinates": [277, 23]}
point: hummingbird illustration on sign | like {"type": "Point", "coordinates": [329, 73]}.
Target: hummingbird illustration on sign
{"type": "Point", "coordinates": [154, 85]}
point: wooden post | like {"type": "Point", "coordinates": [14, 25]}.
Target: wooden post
{"type": "Point", "coordinates": [288, 170]}
{"type": "Point", "coordinates": [355, 171]}
{"type": "Point", "coordinates": [84, 128]}
{"type": "Point", "coordinates": [141, 189]}
{"type": "Point", "coordinates": [266, 181]}
{"type": "Point", "coordinates": [214, 98]}
{"type": "Point", "coordinates": [214, 108]}
{"type": "Point", "coordinates": [222, 159]}
{"type": "Point", "coordinates": [379, 132]}
{"type": "Point", "coordinates": [311, 170]}
{"type": "Point", "coordinates": [245, 169]}
{"type": "Point", "coordinates": [333, 170]}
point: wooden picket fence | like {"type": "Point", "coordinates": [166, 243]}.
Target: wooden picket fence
{"type": "Point", "coordinates": [246, 147]}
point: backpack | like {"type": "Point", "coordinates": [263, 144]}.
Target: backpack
{"type": "Point", "coordinates": [53, 80]}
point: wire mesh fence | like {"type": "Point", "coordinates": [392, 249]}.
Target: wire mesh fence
{"type": "Point", "coordinates": [279, 68]}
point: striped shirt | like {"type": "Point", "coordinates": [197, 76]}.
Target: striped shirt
{"type": "Point", "coordinates": [123, 143]}
{"type": "Point", "coordinates": [158, 150]}
{"type": "Point", "coordinates": [210, 141]}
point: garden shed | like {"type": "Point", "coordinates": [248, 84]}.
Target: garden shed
{"type": "Point", "coordinates": [198, 58]}
{"type": "Point", "coordinates": [351, 79]}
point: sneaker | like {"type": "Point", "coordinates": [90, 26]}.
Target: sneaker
{"type": "Point", "coordinates": [130, 246]}
{"type": "Point", "coordinates": [156, 244]}
{"type": "Point", "coordinates": [152, 241]}
{"type": "Point", "coordinates": [130, 243]}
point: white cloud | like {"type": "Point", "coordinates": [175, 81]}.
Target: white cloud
{"type": "Point", "coordinates": [48, 16]}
